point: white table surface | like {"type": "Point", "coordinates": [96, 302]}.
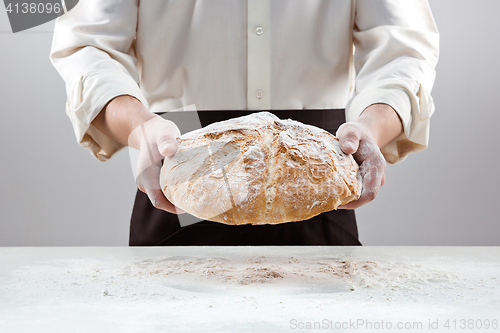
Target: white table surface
{"type": "Point", "coordinates": [248, 289]}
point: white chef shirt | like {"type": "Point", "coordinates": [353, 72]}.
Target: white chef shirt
{"type": "Point", "coordinates": [249, 55]}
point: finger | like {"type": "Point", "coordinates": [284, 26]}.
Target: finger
{"type": "Point", "coordinates": [373, 174]}
{"type": "Point", "coordinates": [349, 136]}
{"type": "Point", "coordinates": [149, 177]}
{"type": "Point", "coordinates": [372, 170]}
{"type": "Point", "coordinates": [349, 206]}
{"type": "Point", "coordinates": [167, 146]}
{"type": "Point", "coordinates": [159, 201]}
{"type": "Point", "coordinates": [148, 182]}
{"type": "Point", "coordinates": [166, 140]}
{"type": "Point", "coordinates": [365, 198]}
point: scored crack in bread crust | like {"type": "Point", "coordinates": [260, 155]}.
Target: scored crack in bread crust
{"type": "Point", "coordinates": [259, 169]}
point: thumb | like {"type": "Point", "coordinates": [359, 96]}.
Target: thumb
{"type": "Point", "coordinates": [349, 136]}
{"type": "Point", "coordinates": [167, 146]}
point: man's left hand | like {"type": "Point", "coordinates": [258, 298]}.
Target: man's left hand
{"type": "Point", "coordinates": [356, 139]}
{"type": "Point", "coordinates": [378, 125]}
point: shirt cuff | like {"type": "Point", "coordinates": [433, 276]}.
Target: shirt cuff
{"type": "Point", "coordinates": [88, 97]}
{"type": "Point", "coordinates": [414, 107]}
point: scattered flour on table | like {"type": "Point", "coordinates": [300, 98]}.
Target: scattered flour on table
{"type": "Point", "coordinates": [278, 270]}
{"type": "Point", "coordinates": [152, 278]}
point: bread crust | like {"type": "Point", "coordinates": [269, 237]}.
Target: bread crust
{"type": "Point", "coordinates": [258, 169]}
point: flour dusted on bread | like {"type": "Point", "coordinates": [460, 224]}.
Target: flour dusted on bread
{"type": "Point", "coordinates": [259, 169]}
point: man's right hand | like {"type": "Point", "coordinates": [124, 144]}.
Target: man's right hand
{"type": "Point", "coordinates": [157, 139]}
{"type": "Point", "coordinates": [126, 120]}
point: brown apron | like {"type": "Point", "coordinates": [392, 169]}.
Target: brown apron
{"type": "Point", "coordinates": [153, 227]}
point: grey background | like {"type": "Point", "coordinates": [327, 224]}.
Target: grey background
{"type": "Point", "coordinates": [52, 192]}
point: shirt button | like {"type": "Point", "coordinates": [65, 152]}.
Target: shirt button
{"type": "Point", "coordinates": [259, 31]}
{"type": "Point", "coordinates": [259, 94]}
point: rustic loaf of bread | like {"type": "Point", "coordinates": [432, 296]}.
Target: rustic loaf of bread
{"type": "Point", "coordinates": [259, 169]}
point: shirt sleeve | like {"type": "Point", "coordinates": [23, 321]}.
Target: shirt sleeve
{"type": "Point", "coordinates": [396, 51]}
{"type": "Point", "coordinates": [93, 50]}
